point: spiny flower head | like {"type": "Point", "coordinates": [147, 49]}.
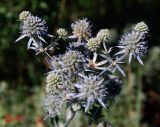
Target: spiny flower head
{"type": "Point", "coordinates": [103, 35]}
{"type": "Point", "coordinates": [93, 44]}
{"type": "Point", "coordinates": [81, 29]}
{"type": "Point", "coordinates": [53, 80]}
{"type": "Point", "coordinates": [132, 38]}
{"type": "Point", "coordinates": [141, 27]}
{"type": "Point", "coordinates": [23, 15]}
{"type": "Point", "coordinates": [34, 25]}
{"type": "Point", "coordinates": [139, 50]}
{"type": "Point", "coordinates": [73, 60]}
{"type": "Point", "coordinates": [91, 90]}
{"type": "Point", "coordinates": [53, 105]}
{"type": "Point", "coordinates": [62, 33]}
{"type": "Point", "coordinates": [134, 44]}
{"type": "Point", "coordinates": [34, 28]}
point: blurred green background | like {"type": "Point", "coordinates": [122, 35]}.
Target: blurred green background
{"type": "Point", "coordinates": [22, 75]}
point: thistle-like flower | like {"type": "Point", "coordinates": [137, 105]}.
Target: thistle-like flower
{"type": "Point", "coordinates": [53, 105]}
{"type": "Point", "coordinates": [81, 29]}
{"type": "Point", "coordinates": [133, 44]}
{"type": "Point", "coordinates": [33, 27]}
{"type": "Point", "coordinates": [103, 35]}
{"type": "Point", "coordinates": [93, 44]}
{"type": "Point", "coordinates": [62, 33]}
{"type": "Point", "coordinates": [91, 90]}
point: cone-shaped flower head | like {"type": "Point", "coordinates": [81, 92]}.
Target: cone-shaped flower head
{"type": "Point", "coordinates": [23, 15]}
{"type": "Point", "coordinates": [141, 27]}
{"type": "Point", "coordinates": [93, 44]}
{"type": "Point", "coordinates": [53, 105]}
{"type": "Point", "coordinates": [103, 35]}
{"type": "Point", "coordinates": [53, 80]}
{"type": "Point", "coordinates": [81, 29]}
{"type": "Point", "coordinates": [62, 33]}
{"type": "Point", "coordinates": [73, 61]}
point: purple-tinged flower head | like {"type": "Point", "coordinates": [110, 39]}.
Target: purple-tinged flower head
{"type": "Point", "coordinates": [81, 29]}
{"type": "Point", "coordinates": [134, 44]}
{"type": "Point", "coordinates": [93, 44]}
{"type": "Point", "coordinates": [91, 90]}
{"type": "Point", "coordinates": [52, 104]}
{"type": "Point", "coordinates": [103, 35]}
{"type": "Point", "coordinates": [23, 15]}
{"type": "Point", "coordinates": [141, 27]}
{"type": "Point", "coordinates": [132, 38]}
{"type": "Point", "coordinates": [34, 25]}
{"type": "Point", "coordinates": [34, 28]}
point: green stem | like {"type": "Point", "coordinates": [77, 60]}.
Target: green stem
{"type": "Point", "coordinates": [53, 122]}
{"type": "Point", "coordinates": [70, 116]}
{"type": "Point", "coordinates": [139, 99]}
{"type": "Point", "coordinates": [48, 55]}
{"type": "Point", "coordinates": [104, 46]}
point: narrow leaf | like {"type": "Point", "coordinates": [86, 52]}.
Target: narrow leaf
{"type": "Point", "coordinates": [21, 37]}
{"type": "Point", "coordinates": [139, 59]}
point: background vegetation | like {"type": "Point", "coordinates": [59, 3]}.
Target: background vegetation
{"type": "Point", "coordinates": [22, 75]}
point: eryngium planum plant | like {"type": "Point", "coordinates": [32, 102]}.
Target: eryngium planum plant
{"type": "Point", "coordinates": [83, 79]}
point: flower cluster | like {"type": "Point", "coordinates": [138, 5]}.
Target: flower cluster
{"type": "Point", "coordinates": [82, 78]}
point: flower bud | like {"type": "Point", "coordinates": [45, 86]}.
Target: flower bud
{"type": "Point", "coordinates": [23, 15]}
{"type": "Point", "coordinates": [103, 35]}
{"type": "Point", "coordinates": [141, 27]}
